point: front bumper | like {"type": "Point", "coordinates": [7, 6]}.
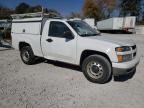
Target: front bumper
{"type": "Point", "coordinates": [126, 67]}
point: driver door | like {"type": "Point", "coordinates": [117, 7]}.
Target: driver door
{"type": "Point", "coordinates": [57, 46]}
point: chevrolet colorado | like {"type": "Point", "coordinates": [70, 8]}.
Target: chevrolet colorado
{"type": "Point", "coordinates": [74, 42]}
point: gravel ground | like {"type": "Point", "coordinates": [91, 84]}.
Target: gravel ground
{"type": "Point", "coordinates": [58, 85]}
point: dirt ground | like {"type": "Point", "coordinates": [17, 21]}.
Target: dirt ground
{"type": "Point", "coordinates": [58, 85]}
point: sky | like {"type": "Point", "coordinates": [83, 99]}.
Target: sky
{"type": "Point", "coordinates": [65, 7]}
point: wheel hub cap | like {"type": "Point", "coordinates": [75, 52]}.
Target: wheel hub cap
{"type": "Point", "coordinates": [95, 70]}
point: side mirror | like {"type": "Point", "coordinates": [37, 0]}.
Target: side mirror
{"type": "Point", "coordinates": [68, 35]}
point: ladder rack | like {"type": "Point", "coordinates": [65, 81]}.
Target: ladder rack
{"type": "Point", "coordinates": [33, 15]}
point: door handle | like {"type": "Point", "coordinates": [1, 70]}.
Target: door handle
{"type": "Point", "coordinates": [49, 40]}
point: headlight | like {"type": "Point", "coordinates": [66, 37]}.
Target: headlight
{"type": "Point", "coordinates": [123, 49]}
{"type": "Point", "coordinates": [124, 58]}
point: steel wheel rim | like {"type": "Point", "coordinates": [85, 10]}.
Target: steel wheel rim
{"type": "Point", "coordinates": [25, 56]}
{"type": "Point", "coordinates": [95, 70]}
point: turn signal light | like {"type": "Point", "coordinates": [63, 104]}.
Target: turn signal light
{"type": "Point", "coordinates": [120, 58]}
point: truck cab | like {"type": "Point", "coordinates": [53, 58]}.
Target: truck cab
{"type": "Point", "coordinates": [74, 42]}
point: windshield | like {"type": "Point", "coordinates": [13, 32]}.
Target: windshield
{"type": "Point", "coordinates": [82, 28]}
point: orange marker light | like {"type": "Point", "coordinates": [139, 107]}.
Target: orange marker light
{"type": "Point", "coordinates": [120, 58]}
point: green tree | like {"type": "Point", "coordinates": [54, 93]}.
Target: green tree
{"type": "Point", "coordinates": [37, 8]}
{"type": "Point", "coordinates": [99, 9]}
{"type": "Point", "coordinates": [91, 10]}
{"type": "Point", "coordinates": [5, 12]}
{"type": "Point", "coordinates": [110, 6]}
{"type": "Point", "coordinates": [130, 7]}
{"type": "Point", "coordinates": [22, 8]}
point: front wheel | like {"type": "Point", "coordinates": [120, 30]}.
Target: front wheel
{"type": "Point", "coordinates": [27, 55]}
{"type": "Point", "coordinates": [97, 69]}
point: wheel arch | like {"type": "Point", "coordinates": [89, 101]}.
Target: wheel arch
{"type": "Point", "coordinates": [22, 44]}
{"type": "Point", "coordinates": [87, 53]}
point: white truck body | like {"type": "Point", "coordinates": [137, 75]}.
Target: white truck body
{"type": "Point", "coordinates": [110, 24]}
{"type": "Point", "coordinates": [35, 32]}
{"type": "Point", "coordinates": [117, 23]}
{"type": "Point", "coordinates": [129, 22]}
{"type": "Point", "coordinates": [90, 21]}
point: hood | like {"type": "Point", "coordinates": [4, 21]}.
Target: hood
{"type": "Point", "coordinates": [114, 40]}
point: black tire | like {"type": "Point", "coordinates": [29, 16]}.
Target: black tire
{"type": "Point", "coordinates": [27, 55]}
{"type": "Point", "coordinates": [100, 71]}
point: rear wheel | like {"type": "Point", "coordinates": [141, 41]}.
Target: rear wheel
{"type": "Point", "coordinates": [27, 55]}
{"type": "Point", "coordinates": [97, 69]}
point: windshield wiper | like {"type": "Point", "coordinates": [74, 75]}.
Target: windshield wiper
{"type": "Point", "coordinates": [84, 35]}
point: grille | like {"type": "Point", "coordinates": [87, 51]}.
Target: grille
{"type": "Point", "coordinates": [133, 47]}
{"type": "Point", "coordinates": [134, 54]}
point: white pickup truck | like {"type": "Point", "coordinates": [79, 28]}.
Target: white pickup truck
{"type": "Point", "coordinates": [73, 42]}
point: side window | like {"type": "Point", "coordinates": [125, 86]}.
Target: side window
{"type": "Point", "coordinates": [57, 29]}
